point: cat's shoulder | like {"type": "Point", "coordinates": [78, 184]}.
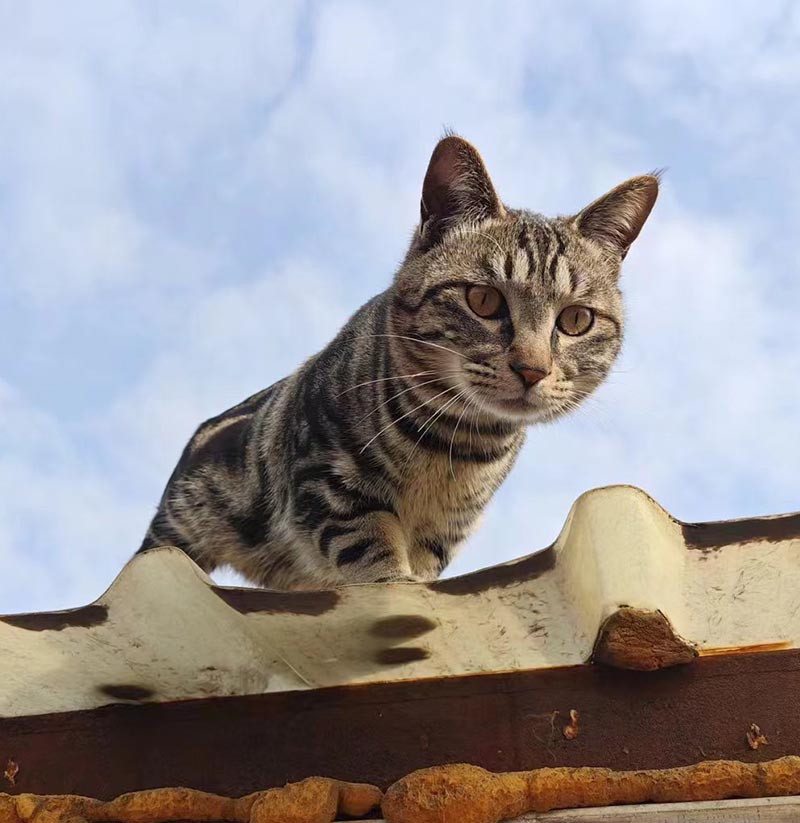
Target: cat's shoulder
{"type": "Point", "coordinates": [222, 436]}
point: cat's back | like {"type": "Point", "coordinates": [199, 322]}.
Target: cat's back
{"type": "Point", "coordinates": [223, 437]}
{"type": "Point", "coordinates": [211, 479]}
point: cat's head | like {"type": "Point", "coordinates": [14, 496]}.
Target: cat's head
{"type": "Point", "coordinates": [521, 312]}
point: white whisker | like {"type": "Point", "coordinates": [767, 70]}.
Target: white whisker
{"type": "Point", "coordinates": [404, 391]}
{"type": "Point", "coordinates": [394, 422]}
{"type": "Point", "coordinates": [486, 237]}
{"type": "Point", "coordinates": [382, 379]}
{"type": "Point", "coordinates": [428, 423]}
{"type": "Point", "coordinates": [455, 430]}
{"type": "Point", "coordinates": [418, 340]}
{"type": "Point", "coordinates": [474, 417]}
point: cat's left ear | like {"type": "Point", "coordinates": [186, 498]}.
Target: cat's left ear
{"type": "Point", "coordinates": [615, 219]}
{"type": "Point", "coordinates": [457, 188]}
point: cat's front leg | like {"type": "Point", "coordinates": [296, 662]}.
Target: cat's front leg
{"type": "Point", "coordinates": [372, 549]}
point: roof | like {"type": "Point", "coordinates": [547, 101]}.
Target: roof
{"type": "Point", "coordinates": [624, 581]}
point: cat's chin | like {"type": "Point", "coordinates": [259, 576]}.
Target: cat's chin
{"type": "Point", "coordinates": [519, 410]}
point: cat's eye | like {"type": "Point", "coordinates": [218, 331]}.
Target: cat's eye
{"type": "Point", "coordinates": [486, 301]}
{"type": "Point", "coordinates": [575, 320]}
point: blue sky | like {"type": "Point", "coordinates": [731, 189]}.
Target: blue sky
{"type": "Point", "coordinates": [195, 195]}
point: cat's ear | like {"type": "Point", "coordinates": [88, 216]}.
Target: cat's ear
{"type": "Point", "coordinates": [457, 188]}
{"type": "Point", "coordinates": [615, 219]}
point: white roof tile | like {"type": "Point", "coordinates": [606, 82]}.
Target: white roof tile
{"type": "Point", "coordinates": [164, 632]}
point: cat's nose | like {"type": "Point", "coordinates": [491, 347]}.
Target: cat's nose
{"type": "Point", "coordinates": [528, 374]}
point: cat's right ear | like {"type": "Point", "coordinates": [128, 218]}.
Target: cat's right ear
{"type": "Point", "coordinates": [615, 219]}
{"type": "Point", "coordinates": [457, 188]}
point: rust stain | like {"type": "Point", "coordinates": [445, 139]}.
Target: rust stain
{"type": "Point", "coordinates": [402, 627]}
{"type": "Point", "coordinates": [708, 537]}
{"type": "Point", "coordinates": [572, 729]}
{"type": "Point", "coordinates": [124, 691]}
{"type": "Point", "coordinates": [399, 655]}
{"type": "Point", "coordinates": [313, 799]}
{"type": "Point", "coordinates": [754, 649]}
{"type": "Point", "coordinates": [83, 618]}
{"type": "Point", "coordinates": [755, 737]}
{"type": "Point", "coordinates": [11, 772]}
{"type": "Point", "coordinates": [247, 601]}
{"type": "Point", "coordinates": [461, 793]}
{"type": "Point", "coordinates": [640, 640]}
{"type": "Point", "coordinates": [498, 577]}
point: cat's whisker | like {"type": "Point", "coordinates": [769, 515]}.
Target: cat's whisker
{"type": "Point", "coordinates": [455, 430]}
{"type": "Point", "coordinates": [431, 420]}
{"type": "Point", "coordinates": [418, 340]}
{"type": "Point", "coordinates": [427, 424]}
{"type": "Point", "coordinates": [479, 408]}
{"type": "Point", "coordinates": [485, 237]}
{"type": "Point", "coordinates": [592, 409]}
{"type": "Point", "coordinates": [587, 396]}
{"type": "Point", "coordinates": [383, 379]}
{"type": "Point", "coordinates": [405, 391]}
{"type": "Point", "coordinates": [395, 422]}
{"type": "Point", "coordinates": [481, 405]}
{"type": "Point", "coordinates": [476, 410]}
{"type": "Point", "coordinates": [571, 406]}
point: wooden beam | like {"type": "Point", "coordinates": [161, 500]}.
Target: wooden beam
{"type": "Point", "coordinates": [379, 733]}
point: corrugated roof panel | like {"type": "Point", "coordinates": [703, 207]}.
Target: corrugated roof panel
{"type": "Point", "coordinates": [649, 590]}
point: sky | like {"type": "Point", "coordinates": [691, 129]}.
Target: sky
{"type": "Point", "coordinates": [194, 196]}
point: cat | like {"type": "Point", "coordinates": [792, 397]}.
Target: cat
{"type": "Point", "coordinates": [374, 460]}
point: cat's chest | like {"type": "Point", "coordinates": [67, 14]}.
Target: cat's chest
{"type": "Point", "coordinates": [437, 494]}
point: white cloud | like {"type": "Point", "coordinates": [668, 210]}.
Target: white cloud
{"type": "Point", "coordinates": [110, 113]}
{"type": "Point", "coordinates": [62, 522]}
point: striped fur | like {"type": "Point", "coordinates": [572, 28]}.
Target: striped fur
{"type": "Point", "coordinates": [374, 460]}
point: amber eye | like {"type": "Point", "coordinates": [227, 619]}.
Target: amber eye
{"type": "Point", "coordinates": [575, 320]}
{"type": "Point", "coordinates": [485, 301]}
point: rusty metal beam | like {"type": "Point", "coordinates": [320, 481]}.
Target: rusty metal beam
{"type": "Point", "coordinates": [378, 733]}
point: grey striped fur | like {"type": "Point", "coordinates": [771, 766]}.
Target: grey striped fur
{"type": "Point", "coordinates": [374, 460]}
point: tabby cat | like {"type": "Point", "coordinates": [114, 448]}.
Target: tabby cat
{"type": "Point", "coordinates": [374, 460]}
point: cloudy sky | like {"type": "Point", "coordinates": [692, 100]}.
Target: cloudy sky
{"type": "Point", "coordinates": [195, 195]}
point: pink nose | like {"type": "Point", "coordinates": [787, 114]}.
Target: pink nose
{"type": "Point", "coordinates": [528, 375]}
